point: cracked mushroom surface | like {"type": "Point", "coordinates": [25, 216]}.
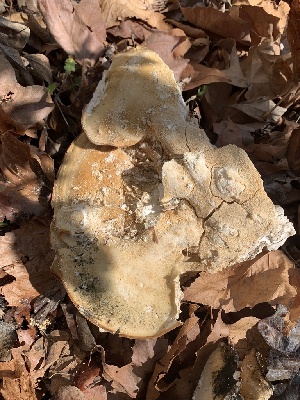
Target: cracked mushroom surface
{"type": "Point", "coordinates": [142, 197]}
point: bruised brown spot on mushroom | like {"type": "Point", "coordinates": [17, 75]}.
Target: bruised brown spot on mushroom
{"type": "Point", "coordinates": [129, 219]}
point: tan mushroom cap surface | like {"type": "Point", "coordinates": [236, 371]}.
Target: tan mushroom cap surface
{"type": "Point", "coordinates": [139, 95]}
{"type": "Point", "coordinates": [129, 220]}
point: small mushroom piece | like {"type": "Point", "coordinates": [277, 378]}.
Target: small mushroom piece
{"type": "Point", "coordinates": [129, 219]}
{"type": "Point", "coordinates": [138, 97]}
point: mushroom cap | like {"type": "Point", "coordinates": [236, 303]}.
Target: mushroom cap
{"type": "Point", "coordinates": [128, 221]}
{"type": "Point", "coordinates": [137, 86]}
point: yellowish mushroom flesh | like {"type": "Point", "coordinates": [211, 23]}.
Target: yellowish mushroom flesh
{"type": "Point", "coordinates": [129, 220]}
{"type": "Point", "coordinates": [139, 95]}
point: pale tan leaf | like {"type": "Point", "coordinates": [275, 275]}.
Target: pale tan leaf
{"type": "Point", "coordinates": [171, 47]}
{"type": "Point", "coordinates": [264, 279]}
{"type": "Point", "coordinates": [261, 109]}
{"type": "Point", "coordinates": [238, 334]}
{"type": "Point", "coordinates": [115, 11]}
{"type": "Point", "coordinates": [69, 393]}
{"type": "Point", "coordinates": [78, 28]}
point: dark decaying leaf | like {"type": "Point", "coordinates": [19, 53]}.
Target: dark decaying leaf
{"type": "Point", "coordinates": [22, 107]}
{"type": "Point", "coordinates": [284, 356]}
{"type": "Point", "coordinates": [13, 34]}
{"type": "Point", "coordinates": [27, 257]}
{"type": "Point", "coordinates": [27, 178]}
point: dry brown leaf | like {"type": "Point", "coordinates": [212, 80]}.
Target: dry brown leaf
{"type": "Point", "coordinates": [36, 354]}
{"type": "Point", "coordinates": [294, 310]}
{"type": "Point", "coordinates": [8, 338]}
{"type": "Point", "coordinates": [279, 10]}
{"type": "Point", "coordinates": [40, 67]}
{"type": "Point", "coordinates": [15, 59]}
{"type": "Point", "coordinates": [237, 23]}
{"type": "Point", "coordinates": [268, 74]}
{"type": "Point", "coordinates": [264, 279]}
{"type": "Point", "coordinates": [220, 330]}
{"type": "Point", "coordinates": [131, 29]}
{"type": "Point", "coordinates": [78, 28]}
{"type": "Point", "coordinates": [28, 176]}
{"type": "Point", "coordinates": [98, 392]}
{"type": "Point", "coordinates": [293, 151]}
{"type": "Point", "coordinates": [238, 334]}
{"type": "Point", "coordinates": [145, 354]}
{"type": "Point", "coordinates": [13, 34]}
{"type": "Point", "coordinates": [293, 28]}
{"type": "Point", "coordinates": [115, 11]}
{"type": "Point", "coordinates": [69, 393]}
{"type": "Point", "coordinates": [281, 77]}
{"type": "Point", "coordinates": [188, 373]}
{"type": "Point", "coordinates": [190, 31]}
{"type": "Point", "coordinates": [23, 107]}
{"type": "Point", "coordinates": [86, 339]}
{"type": "Point", "coordinates": [122, 379]}
{"type": "Point", "coordinates": [27, 107]}
{"type": "Point", "coordinates": [162, 367]}
{"type": "Point", "coordinates": [261, 109]}
{"type": "Point", "coordinates": [171, 47]}
{"type": "Point", "coordinates": [232, 133]}
{"type": "Point", "coordinates": [280, 187]}
{"type": "Point", "coordinates": [266, 152]}
{"type": "Point", "coordinates": [26, 255]}
{"type": "Point", "coordinates": [262, 23]}
{"type": "Point", "coordinates": [17, 382]}
{"type": "Point", "coordinates": [198, 74]}
{"type": "Point", "coordinates": [88, 371]}
{"type": "Point", "coordinates": [20, 289]}
{"type": "Point", "coordinates": [226, 25]}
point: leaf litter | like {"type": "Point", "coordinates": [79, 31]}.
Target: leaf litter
{"type": "Point", "coordinates": [238, 65]}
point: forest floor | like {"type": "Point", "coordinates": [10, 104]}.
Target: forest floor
{"type": "Point", "coordinates": [238, 63]}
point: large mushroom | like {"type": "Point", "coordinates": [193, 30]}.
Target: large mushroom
{"type": "Point", "coordinates": [142, 197]}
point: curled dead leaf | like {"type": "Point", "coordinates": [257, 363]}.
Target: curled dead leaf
{"type": "Point", "coordinates": [265, 279]}
{"type": "Point", "coordinates": [115, 11]}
